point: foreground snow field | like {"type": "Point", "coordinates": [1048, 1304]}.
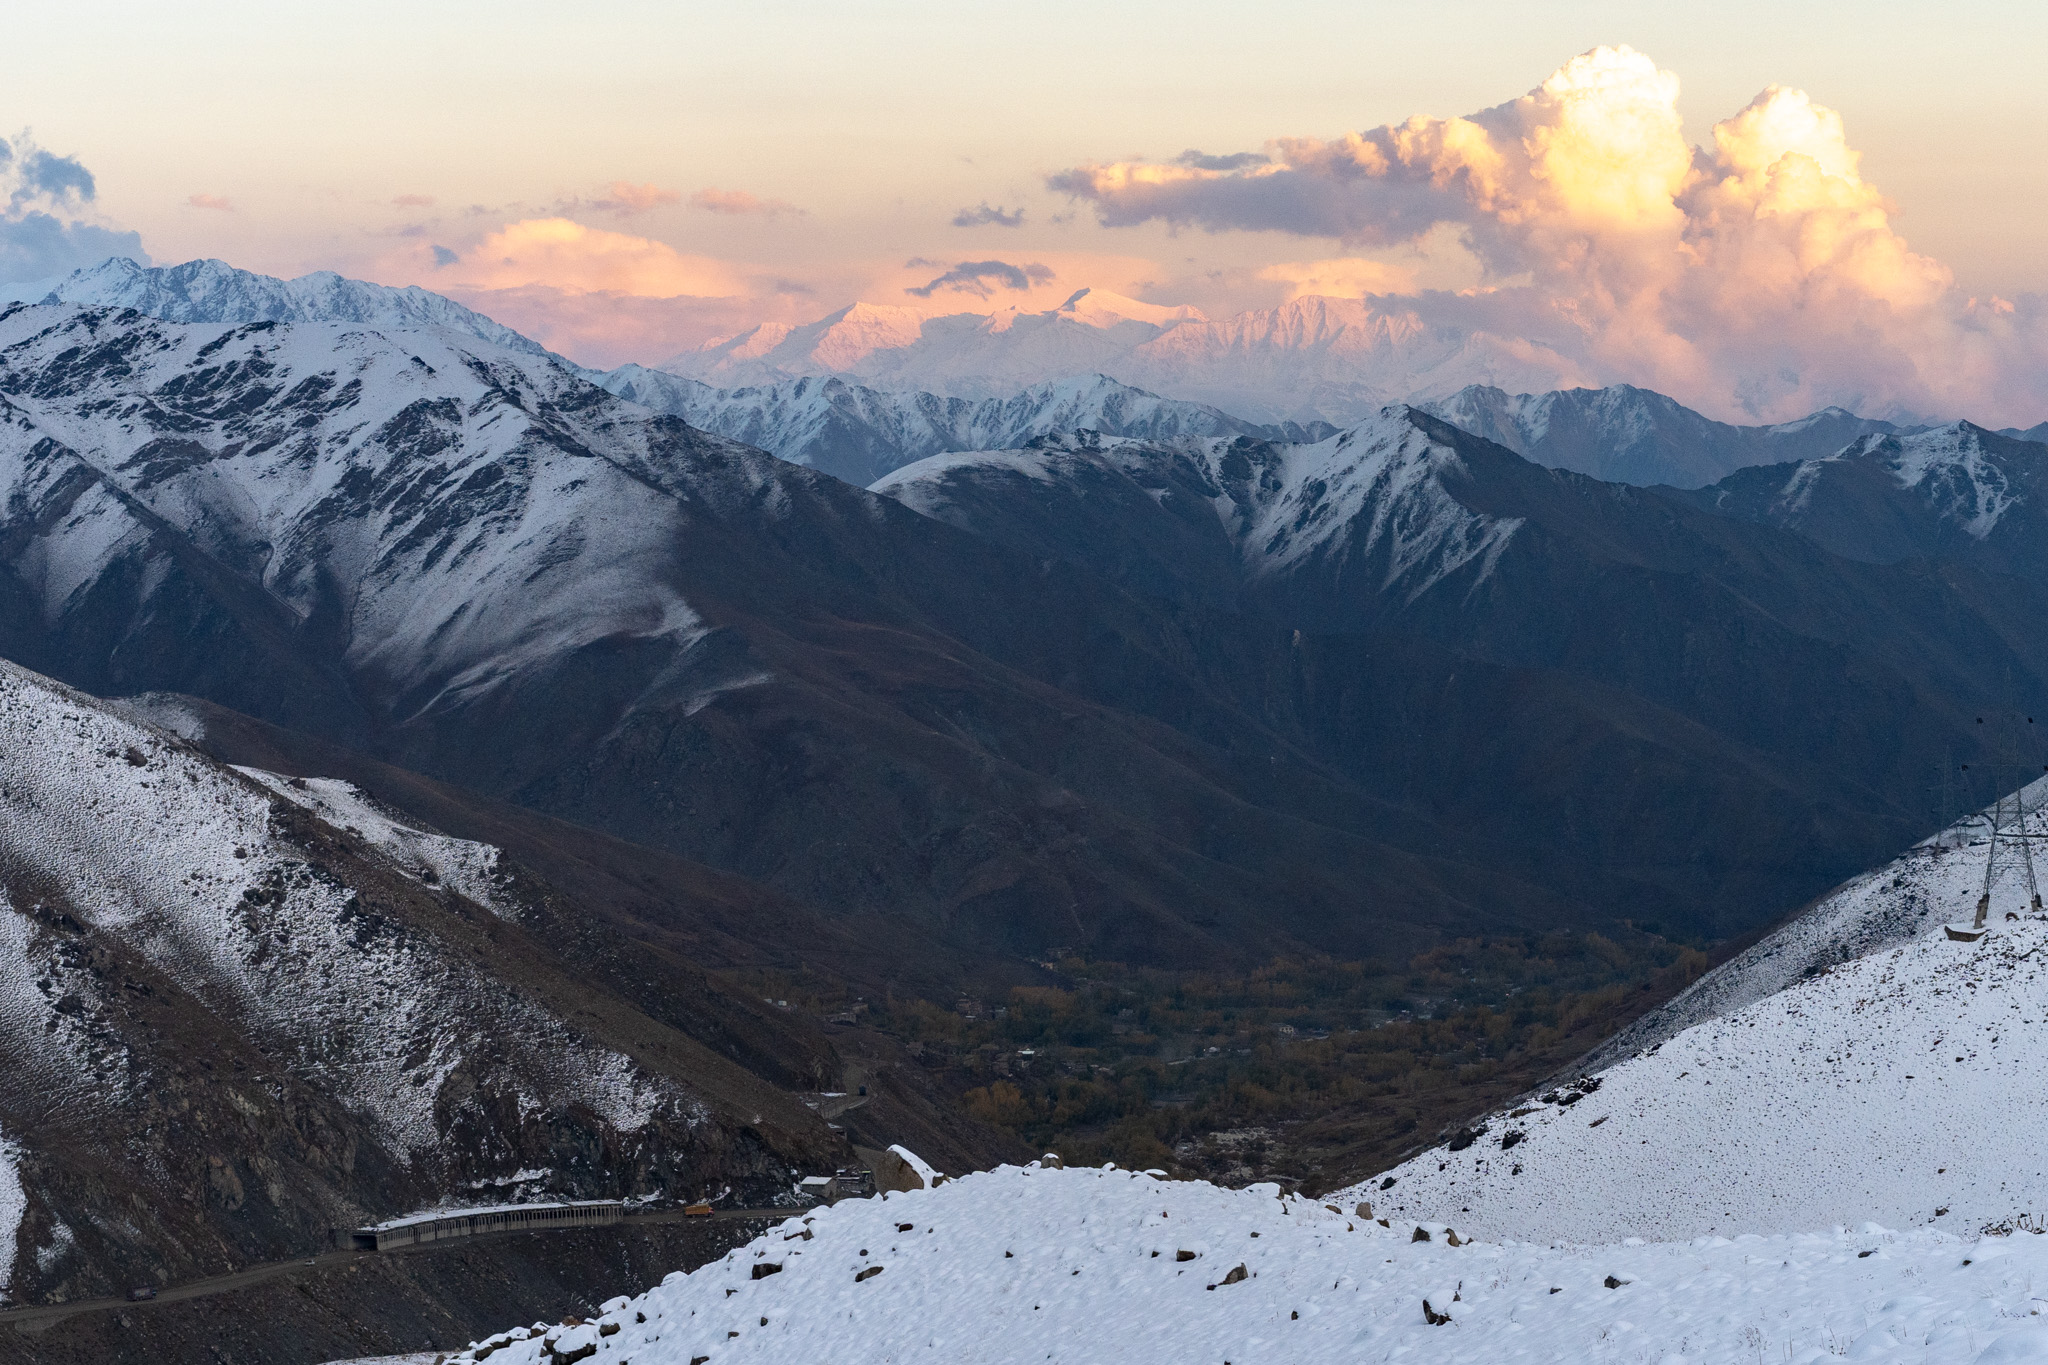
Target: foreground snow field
{"type": "Point", "coordinates": [1103, 1265]}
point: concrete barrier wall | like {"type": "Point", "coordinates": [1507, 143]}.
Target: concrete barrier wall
{"type": "Point", "coordinates": [523, 1218]}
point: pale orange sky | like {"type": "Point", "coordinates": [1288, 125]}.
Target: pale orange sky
{"type": "Point", "coordinates": [576, 166]}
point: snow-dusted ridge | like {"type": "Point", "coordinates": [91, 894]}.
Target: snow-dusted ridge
{"type": "Point", "coordinates": [465, 867]}
{"type": "Point", "coordinates": [214, 291]}
{"type": "Point", "coordinates": [1374, 493]}
{"type": "Point", "coordinates": [1032, 1265]}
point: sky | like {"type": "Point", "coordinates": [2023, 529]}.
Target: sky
{"type": "Point", "coordinates": [624, 180]}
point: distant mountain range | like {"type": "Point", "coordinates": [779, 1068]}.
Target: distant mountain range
{"type": "Point", "coordinates": [860, 434]}
{"type": "Point", "coordinates": [1312, 359]}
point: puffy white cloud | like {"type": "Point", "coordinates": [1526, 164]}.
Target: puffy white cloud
{"type": "Point", "coordinates": [1760, 277]}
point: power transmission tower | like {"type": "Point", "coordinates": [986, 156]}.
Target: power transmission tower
{"type": "Point", "coordinates": [1946, 805]}
{"type": "Point", "coordinates": [2010, 845]}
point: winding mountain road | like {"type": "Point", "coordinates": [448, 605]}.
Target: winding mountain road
{"type": "Point", "coordinates": [39, 1317]}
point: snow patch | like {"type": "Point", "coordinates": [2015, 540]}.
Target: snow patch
{"type": "Point", "coordinates": [13, 1208]}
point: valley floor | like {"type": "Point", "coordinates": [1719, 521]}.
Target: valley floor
{"type": "Point", "coordinates": [1040, 1265]}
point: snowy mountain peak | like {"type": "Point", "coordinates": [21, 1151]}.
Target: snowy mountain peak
{"type": "Point", "coordinates": [1969, 483]}
{"type": "Point", "coordinates": [1101, 308]}
{"type": "Point", "coordinates": [214, 291]}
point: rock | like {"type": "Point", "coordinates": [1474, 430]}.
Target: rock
{"type": "Point", "coordinates": [1238, 1275]}
{"type": "Point", "coordinates": [1184, 1255]}
{"type": "Point", "coordinates": [1421, 1235]}
{"type": "Point", "coordinates": [767, 1268]}
{"type": "Point", "coordinates": [1451, 1237]}
{"type": "Point", "coordinates": [1613, 1283]}
{"type": "Point", "coordinates": [867, 1274]}
{"type": "Point", "coordinates": [1364, 1210]}
{"type": "Point", "coordinates": [1432, 1317]}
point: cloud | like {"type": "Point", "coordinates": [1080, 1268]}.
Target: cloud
{"type": "Point", "coordinates": [1760, 276]}
{"type": "Point", "coordinates": [739, 202]}
{"type": "Point", "coordinates": [566, 255]}
{"type": "Point", "coordinates": [443, 257]}
{"type": "Point", "coordinates": [210, 201]}
{"type": "Point", "coordinates": [37, 174]}
{"type": "Point", "coordinates": [48, 227]}
{"type": "Point", "coordinates": [413, 201]}
{"type": "Point", "coordinates": [983, 278]}
{"type": "Point", "coordinates": [981, 215]}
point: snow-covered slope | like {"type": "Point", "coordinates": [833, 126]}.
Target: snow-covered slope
{"type": "Point", "coordinates": [236, 1010]}
{"type": "Point", "coordinates": [214, 291]}
{"type": "Point", "coordinates": [1033, 1265]}
{"type": "Point", "coordinates": [1311, 359]}
{"type": "Point", "coordinates": [150, 842]}
{"type": "Point", "coordinates": [1857, 1064]}
{"type": "Point", "coordinates": [859, 434]}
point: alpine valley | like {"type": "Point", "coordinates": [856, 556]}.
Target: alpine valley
{"type": "Point", "coordinates": [436, 774]}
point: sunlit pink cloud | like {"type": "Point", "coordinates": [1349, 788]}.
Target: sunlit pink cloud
{"type": "Point", "coordinates": [1761, 277]}
{"type": "Point", "coordinates": [210, 201]}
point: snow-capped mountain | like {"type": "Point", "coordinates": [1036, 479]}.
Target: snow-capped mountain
{"type": "Point", "coordinates": [1373, 495]}
{"type": "Point", "coordinates": [214, 291]}
{"type": "Point", "coordinates": [438, 499]}
{"type": "Point", "coordinates": [1857, 1064]}
{"type": "Point", "coordinates": [1625, 434]}
{"type": "Point", "coordinates": [237, 1009]}
{"type": "Point", "coordinates": [1311, 359]}
{"type": "Point", "coordinates": [1952, 492]}
{"type": "Point", "coordinates": [1027, 1264]}
{"type": "Point", "coordinates": [859, 434]}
